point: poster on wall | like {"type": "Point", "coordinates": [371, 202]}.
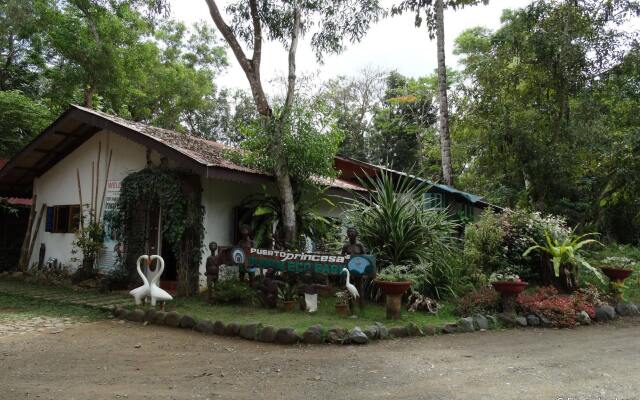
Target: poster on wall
{"type": "Point", "coordinates": [112, 247]}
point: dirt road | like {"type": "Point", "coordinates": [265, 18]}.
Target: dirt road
{"type": "Point", "coordinates": [118, 360]}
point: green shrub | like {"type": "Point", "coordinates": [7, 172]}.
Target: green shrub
{"type": "Point", "coordinates": [233, 292]}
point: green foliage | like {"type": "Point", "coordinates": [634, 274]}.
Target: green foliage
{"type": "Point", "coordinates": [393, 223]}
{"type": "Point", "coordinates": [182, 218]}
{"type": "Point", "coordinates": [265, 212]}
{"type": "Point", "coordinates": [287, 292]}
{"type": "Point", "coordinates": [484, 300]}
{"type": "Point", "coordinates": [311, 140]}
{"type": "Point", "coordinates": [233, 292]}
{"type": "Point", "coordinates": [484, 243]}
{"type": "Point", "coordinates": [89, 242]}
{"type": "Point", "coordinates": [566, 251]}
{"type": "Point", "coordinates": [21, 119]}
{"type": "Point", "coordinates": [396, 273]}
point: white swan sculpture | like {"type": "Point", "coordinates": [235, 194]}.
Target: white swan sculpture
{"type": "Point", "coordinates": [150, 285]}
{"type": "Point", "coordinates": [352, 289]}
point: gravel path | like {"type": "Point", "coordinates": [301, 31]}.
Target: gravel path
{"type": "Point", "coordinates": [121, 360]}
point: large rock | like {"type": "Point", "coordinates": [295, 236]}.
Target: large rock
{"type": "Point", "coordinates": [431, 330]}
{"type": "Point", "coordinates": [204, 326]}
{"type": "Point", "coordinates": [249, 331]}
{"type": "Point", "coordinates": [232, 329]}
{"type": "Point", "coordinates": [218, 328]}
{"type": "Point", "coordinates": [372, 332]}
{"type": "Point", "coordinates": [480, 322]}
{"type": "Point", "coordinates": [119, 312]}
{"type": "Point", "coordinates": [172, 319]}
{"type": "Point", "coordinates": [287, 336]}
{"type": "Point", "coordinates": [159, 317]}
{"type": "Point", "coordinates": [545, 322]}
{"type": "Point", "coordinates": [383, 331]}
{"type": "Point", "coordinates": [356, 336]}
{"type": "Point", "coordinates": [627, 309]}
{"type": "Point", "coordinates": [414, 330]}
{"type": "Point", "coordinates": [150, 315]}
{"type": "Point", "coordinates": [398, 332]}
{"type": "Point", "coordinates": [583, 318]}
{"type": "Point", "coordinates": [493, 321]}
{"type": "Point", "coordinates": [533, 320]}
{"type": "Point", "coordinates": [267, 334]}
{"type": "Point", "coordinates": [337, 335]}
{"type": "Point", "coordinates": [605, 313]}
{"type": "Point", "coordinates": [136, 315]}
{"type": "Point", "coordinates": [449, 328]}
{"type": "Point", "coordinates": [187, 322]}
{"type": "Point", "coordinates": [313, 335]}
{"type": "Point", "coordinates": [521, 321]}
{"type": "Point", "coordinates": [508, 319]}
{"type": "Point", "coordinates": [465, 325]}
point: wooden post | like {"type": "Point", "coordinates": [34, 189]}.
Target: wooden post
{"type": "Point", "coordinates": [80, 196]}
{"type": "Point", "coordinates": [93, 175]}
{"type": "Point", "coordinates": [97, 180]}
{"type": "Point", "coordinates": [22, 263]}
{"type": "Point", "coordinates": [104, 189]}
{"type": "Point", "coordinates": [43, 211]}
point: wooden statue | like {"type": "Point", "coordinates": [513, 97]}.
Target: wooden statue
{"type": "Point", "coordinates": [246, 242]}
{"type": "Point", "coordinates": [353, 247]}
{"type": "Point", "coordinates": [213, 267]}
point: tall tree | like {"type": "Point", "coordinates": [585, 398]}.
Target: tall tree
{"type": "Point", "coordinates": [434, 15]}
{"type": "Point", "coordinates": [286, 21]}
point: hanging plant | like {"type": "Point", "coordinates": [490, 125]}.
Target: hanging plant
{"type": "Point", "coordinates": [181, 215]}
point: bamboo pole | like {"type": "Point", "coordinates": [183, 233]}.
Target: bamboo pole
{"type": "Point", "coordinates": [22, 263]}
{"type": "Point", "coordinates": [43, 210]}
{"type": "Point", "coordinates": [104, 189]}
{"type": "Point", "coordinates": [93, 173]}
{"type": "Point", "coordinates": [97, 179]}
{"type": "Point", "coordinates": [80, 196]}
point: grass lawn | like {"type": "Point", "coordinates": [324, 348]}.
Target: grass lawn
{"type": "Point", "coordinates": [14, 307]}
{"type": "Point", "coordinates": [299, 320]}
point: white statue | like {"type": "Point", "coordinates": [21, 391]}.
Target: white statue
{"type": "Point", "coordinates": [150, 283]}
{"type": "Point", "coordinates": [350, 287]}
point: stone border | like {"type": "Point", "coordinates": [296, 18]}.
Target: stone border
{"type": "Point", "coordinates": [317, 334]}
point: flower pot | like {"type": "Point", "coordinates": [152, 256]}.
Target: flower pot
{"type": "Point", "coordinates": [616, 274]}
{"type": "Point", "coordinates": [509, 288]}
{"type": "Point", "coordinates": [342, 309]}
{"type": "Point", "coordinates": [393, 288]}
{"type": "Point", "coordinates": [393, 292]}
{"type": "Point", "coordinates": [287, 305]}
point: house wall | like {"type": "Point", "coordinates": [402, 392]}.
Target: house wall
{"type": "Point", "coordinates": [58, 186]}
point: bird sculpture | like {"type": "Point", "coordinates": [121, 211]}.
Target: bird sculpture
{"type": "Point", "coordinates": [140, 293]}
{"type": "Point", "coordinates": [150, 284]}
{"type": "Point", "coordinates": [352, 289]}
{"type": "Point", "coordinates": [155, 291]}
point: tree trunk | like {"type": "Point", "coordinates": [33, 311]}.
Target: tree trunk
{"type": "Point", "coordinates": [88, 96]}
{"type": "Point", "coordinates": [443, 126]}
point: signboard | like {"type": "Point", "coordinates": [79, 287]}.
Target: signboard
{"type": "Point", "coordinates": [111, 244]}
{"type": "Point", "coordinates": [228, 273]}
{"type": "Point", "coordinates": [301, 262]}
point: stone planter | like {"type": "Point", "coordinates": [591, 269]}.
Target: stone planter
{"type": "Point", "coordinates": [508, 292]}
{"type": "Point", "coordinates": [393, 292]}
{"type": "Point", "coordinates": [616, 274]}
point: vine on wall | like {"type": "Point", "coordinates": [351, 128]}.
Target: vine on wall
{"type": "Point", "coordinates": [177, 194]}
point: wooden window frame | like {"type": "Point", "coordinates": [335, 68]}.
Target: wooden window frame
{"type": "Point", "coordinates": [63, 218]}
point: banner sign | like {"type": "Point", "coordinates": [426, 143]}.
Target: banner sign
{"type": "Point", "coordinates": [301, 262]}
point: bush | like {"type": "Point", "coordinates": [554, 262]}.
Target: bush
{"type": "Point", "coordinates": [497, 241]}
{"type": "Point", "coordinates": [484, 300]}
{"type": "Point", "coordinates": [559, 309]}
{"type": "Point", "coordinates": [233, 292]}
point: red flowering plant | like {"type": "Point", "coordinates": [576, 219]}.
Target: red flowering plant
{"type": "Point", "coordinates": [559, 309]}
{"type": "Point", "coordinates": [483, 300]}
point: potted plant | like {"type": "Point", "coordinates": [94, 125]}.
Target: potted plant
{"type": "Point", "coordinates": [509, 285]}
{"type": "Point", "coordinates": [342, 302]}
{"type": "Point", "coordinates": [287, 296]}
{"type": "Point", "coordinates": [618, 268]}
{"type": "Point", "coordinates": [506, 282]}
{"type": "Point", "coordinates": [565, 258]}
{"type": "Point", "coordinates": [394, 280]}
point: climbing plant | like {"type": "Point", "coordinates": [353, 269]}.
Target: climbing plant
{"type": "Point", "coordinates": [177, 194]}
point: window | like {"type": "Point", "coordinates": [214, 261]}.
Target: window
{"type": "Point", "coordinates": [468, 211]}
{"type": "Point", "coordinates": [63, 219]}
{"type": "Point", "coordinates": [434, 200]}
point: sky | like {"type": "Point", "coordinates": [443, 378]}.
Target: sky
{"type": "Point", "coordinates": [391, 44]}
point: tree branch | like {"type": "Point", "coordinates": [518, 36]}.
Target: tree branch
{"type": "Point", "coordinates": [291, 87]}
